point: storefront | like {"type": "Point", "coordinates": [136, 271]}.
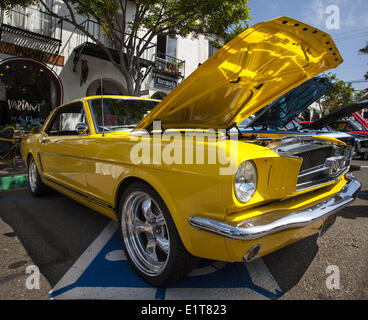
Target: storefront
{"type": "Point", "coordinates": [29, 90]}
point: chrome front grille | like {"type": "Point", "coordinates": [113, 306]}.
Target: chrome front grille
{"type": "Point", "coordinates": [322, 165]}
{"type": "Point", "coordinates": [323, 161]}
{"type": "Point", "coordinates": [315, 157]}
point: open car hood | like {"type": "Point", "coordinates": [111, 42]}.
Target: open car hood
{"type": "Point", "coordinates": [281, 111]}
{"type": "Point", "coordinates": [336, 115]}
{"type": "Point", "coordinates": [246, 74]}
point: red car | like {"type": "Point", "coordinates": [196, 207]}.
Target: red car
{"type": "Point", "coordinates": [346, 120]}
{"type": "Point", "coordinates": [356, 124]}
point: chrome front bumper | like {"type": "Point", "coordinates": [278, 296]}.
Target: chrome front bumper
{"type": "Point", "coordinates": [251, 230]}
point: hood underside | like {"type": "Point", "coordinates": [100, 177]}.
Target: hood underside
{"type": "Point", "coordinates": [281, 111]}
{"type": "Point", "coordinates": [336, 115]}
{"type": "Point", "coordinates": [246, 74]}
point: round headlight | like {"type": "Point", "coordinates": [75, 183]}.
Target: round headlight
{"type": "Point", "coordinates": [245, 182]}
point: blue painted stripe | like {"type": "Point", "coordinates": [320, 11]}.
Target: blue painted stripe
{"type": "Point", "coordinates": [160, 293]}
{"type": "Point", "coordinates": [53, 294]}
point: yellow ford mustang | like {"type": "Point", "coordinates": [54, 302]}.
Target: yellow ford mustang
{"type": "Point", "coordinates": [178, 179]}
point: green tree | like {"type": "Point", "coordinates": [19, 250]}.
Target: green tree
{"type": "Point", "coordinates": [361, 95]}
{"type": "Point", "coordinates": [341, 95]}
{"type": "Point", "coordinates": [8, 4]}
{"type": "Point", "coordinates": [131, 26]}
{"type": "Point", "coordinates": [230, 34]}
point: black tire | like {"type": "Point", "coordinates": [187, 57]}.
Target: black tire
{"type": "Point", "coordinates": [35, 183]}
{"type": "Point", "coordinates": [178, 261]}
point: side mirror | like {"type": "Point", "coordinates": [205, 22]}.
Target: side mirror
{"type": "Point", "coordinates": [81, 128]}
{"type": "Point", "coordinates": [36, 130]}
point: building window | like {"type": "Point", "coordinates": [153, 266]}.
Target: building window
{"type": "Point", "coordinates": [166, 61]}
{"type": "Point", "coordinates": [31, 18]}
{"type": "Point", "coordinates": [166, 46]}
{"type": "Point", "coordinates": [171, 47]}
{"type": "Point", "coordinates": [211, 48]}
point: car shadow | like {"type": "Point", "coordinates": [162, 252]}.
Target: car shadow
{"type": "Point", "coordinates": [363, 195]}
{"type": "Point", "coordinates": [353, 212]}
{"type": "Point", "coordinates": [354, 167]}
{"type": "Point", "coordinates": [54, 230]}
{"type": "Point", "coordinates": [289, 264]}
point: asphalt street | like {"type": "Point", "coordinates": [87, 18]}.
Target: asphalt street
{"type": "Point", "coordinates": [52, 233]}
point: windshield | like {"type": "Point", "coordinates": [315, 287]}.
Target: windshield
{"type": "Point", "coordinates": [118, 113]}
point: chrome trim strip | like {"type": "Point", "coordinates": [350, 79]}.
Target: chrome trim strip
{"type": "Point", "coordinates": [313, 171]}
{"type": "Point", "coordinates": [319, 183]}
{"type": "Point", "coordinates": [86, 196]}
{"type": "Point", "coordinates": [296, 219]}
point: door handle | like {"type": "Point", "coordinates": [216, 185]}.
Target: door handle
{"type": "Point", "coordinates": [44, 140]}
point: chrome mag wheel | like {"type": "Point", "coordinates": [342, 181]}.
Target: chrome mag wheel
{"type": "Point", "coordinates": [32, 175]}
{"type": "Point", "coordinates": [145, 233]}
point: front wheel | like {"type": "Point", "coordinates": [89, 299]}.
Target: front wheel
{"type": "Point", "coordinates": [150, 238]}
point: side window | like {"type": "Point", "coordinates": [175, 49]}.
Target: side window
{"type": "Point", "coordinates": [65, 121]}
{"type": "Point", "coordinates": [119, 114]}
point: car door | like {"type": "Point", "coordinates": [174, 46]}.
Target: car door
{"type": "Point", "coordinates": [63, 148]}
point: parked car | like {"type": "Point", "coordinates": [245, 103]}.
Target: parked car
{"type": "Point", "coordinates": [172, 207]}
{"type": "Point", "coordinates": [346, 120]}
{"type": "Point", "coordinates": [280, 116]}
{"type": "Point", "coordinates": [28, 123]}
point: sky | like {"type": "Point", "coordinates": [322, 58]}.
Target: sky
{"type": "Point", "coordinates": [349, 30]}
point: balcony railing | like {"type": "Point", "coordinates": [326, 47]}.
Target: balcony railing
{"type": "Point", "coordinates": [30, 32]}
{"type": "Point", "coordinates": [37, 24]}
{"type": "Point", "coordinates": [168, 65]}
{"type": "Point", "coordinates": [97, 31]}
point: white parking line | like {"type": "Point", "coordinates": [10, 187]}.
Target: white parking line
{"type": "Point", "coordinates": [102, 272]}
{"type": "Point", "coordinates": [86, 258]}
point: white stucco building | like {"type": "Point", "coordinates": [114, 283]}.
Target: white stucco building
{"type": "Point", "coordinates": [45, 62]}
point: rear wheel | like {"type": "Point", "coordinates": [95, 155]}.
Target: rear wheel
{"type": "Point", "coordinates": [150, 238]}
{"type": "Point", "coordinates": [34, 180]}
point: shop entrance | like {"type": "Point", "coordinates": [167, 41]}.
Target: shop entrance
{"type": "Point", "coordinates": [29, 90]}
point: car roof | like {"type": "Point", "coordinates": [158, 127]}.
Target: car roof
{"type": "Point", "coordinates": [118, 96]}
{"type": "Point", "coordinates": [104, 96]}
